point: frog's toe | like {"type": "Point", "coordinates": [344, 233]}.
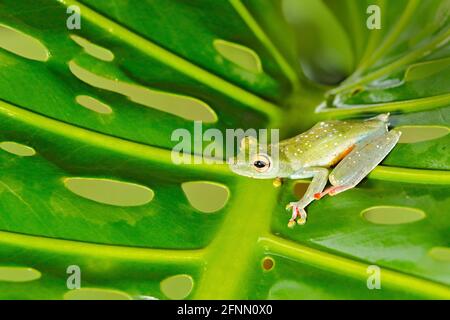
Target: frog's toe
{"type": "Point", "coordinates": [297, 212]}
{"type": "Point", "coordinates": [290, 205]}
{"type": "Point", "coordinates": [291, 224]}
{"type": "Point", "coordinates": [302, 217]}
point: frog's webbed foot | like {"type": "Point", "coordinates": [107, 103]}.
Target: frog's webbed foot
{"type": "Point", "coordinates": [320, 177]}
{"type": "Point", "coordinates": [299, 212]}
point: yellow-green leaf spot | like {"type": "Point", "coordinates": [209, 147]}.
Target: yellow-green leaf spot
{"type": "Point", "coordinates": [206, 196]}
{"type": "Point", "coordinates": [112, 192]}
{"type": "Point", "coordinates": [392, 215]}
{"type": "Point", "coordinates": [177, 287]}
{"type": "Point", "coordinates": [93, 49]}
{"type": "Point", "coordinates": [22, 44]}
{"type": "Point", "coordinates": [240, 55]}
{"type": "Point", "coordinates": [267, 263]}
{"type": "Point", "coordinates": [413, 134]}
{"type": "Point", "coordinates": [93, 104]}
{"type": "Point", "coordinates": [17, 149]}
{"type": "Point", "coordinates": [182, 106]}
{"type": "Point", "coordinates": [18, 274]}
{"type": "Point", "coordinates": [96, 294]}
{"type": "Point", "coordinates": [440, 254]}
{"type": "Point", "coordinates": [425, 69]}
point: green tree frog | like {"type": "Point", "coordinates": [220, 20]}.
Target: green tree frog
{"type": "Point", "coordinates": [341, 152]}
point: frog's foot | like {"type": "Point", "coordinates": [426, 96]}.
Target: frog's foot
{"type": "Point", "coordinates": [297, 212]}
{"type": "Point", "coordinates": [332, 191]}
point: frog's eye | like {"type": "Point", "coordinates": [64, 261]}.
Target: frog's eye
{"type": "Point", "coordinates": [261, 163]}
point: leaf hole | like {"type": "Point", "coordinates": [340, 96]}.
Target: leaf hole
{"type": "Point", "coordinates": [93, 49]}
{"type": "Point", "coordinates": [391, 215]}
{"type": "Point", "coordinates": [413, 134]}
{"type": "Point", "coordinates": [440, 254]}
{"type": "Point", "coordinates": [18, 274]}
{"type": "Point", "coordinates": [205, 196]}
{"type": "Point", "coordinates": [96, 294]}
{"type": "Point", "coordinates": [182, 106]}
{"type": "Point", "coordinates": [300, 189]}
{"type": "Point", "coordinates": [17, 149]}
{"type": "Point", "coordinates": [112, 192]}
{"type": "Point", "coordinates": [22, 44]}
{"type": "Point", "coordinates": [93, 104]}
{"type": "Point", "coordinates": [177, 287]}
{"type": "Point", "coordinates": [238, 54]}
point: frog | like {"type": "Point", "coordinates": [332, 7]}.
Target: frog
{"type": "Point", "coordinates": [339, 152]}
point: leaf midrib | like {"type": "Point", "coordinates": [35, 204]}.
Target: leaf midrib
{"type": "Point", "coordinates": [156, 154]}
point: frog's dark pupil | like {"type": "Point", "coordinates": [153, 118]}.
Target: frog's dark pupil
{"type": "Point", "coordinates": [259, 164]}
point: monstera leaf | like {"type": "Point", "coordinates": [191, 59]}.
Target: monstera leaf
{"type": "Point", "coordinates": [88, 186]}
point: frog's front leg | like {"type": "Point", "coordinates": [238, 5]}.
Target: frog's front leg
{"type": "Point", "coordinates": [320, 178]}
{"type": "Point", "coordinates": [358, 163]}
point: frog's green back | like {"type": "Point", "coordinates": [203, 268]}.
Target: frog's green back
{"type": "Point", "coordinates": [327, 141]}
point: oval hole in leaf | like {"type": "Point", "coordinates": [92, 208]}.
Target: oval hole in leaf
{"type": "Point", "coordinates": [93, 104]}
{"type": "Point", "coordinates": [177, 287]}
{"type": "Point", "coordinates": [240, 55]}
{"type": "Point", "coordinates": [182, 106]}
{"type": "Point", "coordinates": [440, 254]}
{"type": "Point", "coordinates": [300, 189]}
{"type": "Point", "coordinates": [17, 149]}
{"type": "Point", "coordinates": [22, 44]}
{"type": "Point", "coordinates": [425, 69]}
{"type": "Point", "coordinates": [413, 134]}
{"type": "Point", "coordinates": [18, 274]}
{"type": "Point", "coordinates": [95, 294]}
{"type": "Point", "coordinates": [392, 215]}
{"type": "Point", "coordinates": [206, 196]}
{"type": "Point", "coordinates": [93, 49]}
{"type": "Point", "coordinates": [112, 192]}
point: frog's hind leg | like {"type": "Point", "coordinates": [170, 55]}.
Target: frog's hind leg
{"type": "Point", "coordinates": [319, 181]}
{"type": "Point", "coordinates": [359, 163]}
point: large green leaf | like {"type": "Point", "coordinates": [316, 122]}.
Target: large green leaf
{"type": "Point", "coordinates": [161, 230]}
